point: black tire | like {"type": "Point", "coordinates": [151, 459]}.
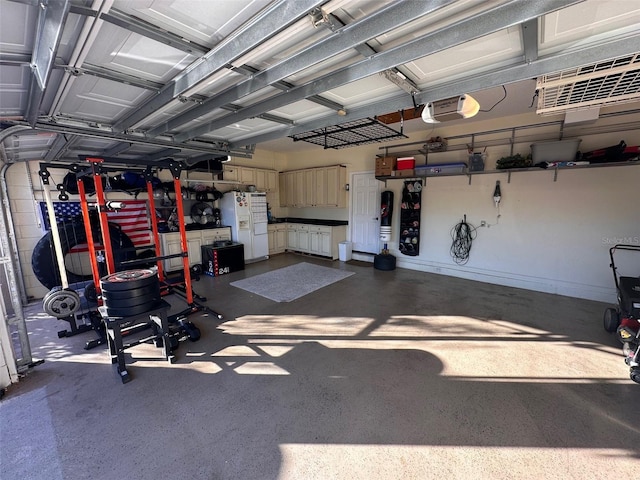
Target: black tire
{"type": "Point", "coordinates": [611, 320]}
{"type": "Point", "coordinates": [384, 262]}
{"type": "Point", "coordinates": [44, 262]}
{"type": "Point", "coordinates": [634, 374]}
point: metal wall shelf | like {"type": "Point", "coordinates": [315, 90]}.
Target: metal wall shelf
{"type": "Point", "coordinates": [514, 135]}
{"type": "Point", "coordinates": [509, 171]}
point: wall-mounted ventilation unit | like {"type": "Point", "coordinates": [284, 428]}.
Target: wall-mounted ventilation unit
{"type": "Point", "coordinates": [605, 83]}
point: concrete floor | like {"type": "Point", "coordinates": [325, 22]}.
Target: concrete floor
{"type": "Point", "coordinates": [383, 375]}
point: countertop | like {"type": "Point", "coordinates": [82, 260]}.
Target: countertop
{"type": "Point", "coordinates": [311, 221]}
{"type": "Point", "coordinates": [195, 226]}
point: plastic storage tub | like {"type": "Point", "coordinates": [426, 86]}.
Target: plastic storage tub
{"type": "Point", "coordinates": [559, 151]}
{"type": "Point", "coordinates": [405, 163]}
{"type": "Point", "coordinates": [441, 169]}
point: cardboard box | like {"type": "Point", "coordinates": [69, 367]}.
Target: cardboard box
{"type": "Point", "coordinates": [403, 173]}
{"type": "Point", "coordinates": [384, 166]}
{"type": "Point", "coordinates": [405, 163]}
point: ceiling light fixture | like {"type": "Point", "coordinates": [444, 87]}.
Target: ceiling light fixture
{"type": "Point", "coordinates": [454, 108]}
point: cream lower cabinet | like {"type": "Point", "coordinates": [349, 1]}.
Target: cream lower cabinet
{"type": "Point", "coordinates": [277, 238]}
{"type": "Point", "coordinates": [319, 240]}
{"type": "Point", "coordinates": [171, 245]}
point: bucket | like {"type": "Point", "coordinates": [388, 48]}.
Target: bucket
{"type": "Point", "coordinates": [344, 251]}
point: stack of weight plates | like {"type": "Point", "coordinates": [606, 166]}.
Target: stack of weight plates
{"type": "Point", "coordinates": [130, 292]}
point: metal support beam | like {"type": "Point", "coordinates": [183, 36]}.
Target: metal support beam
{"type": "Point", "coordinates": [504, 76]}
{"type": "Point", "coordinates": [167, 152]}
{"type": "Point", "coordinates": [213, 147]}
{"type": "Point", "coordinates": [148, 30]}
{"type": "Point", "coordinates": [285, 86]}
{"type": "Point", "coordinates": [392, 74]}
{"type": "Point", "coordinates": [270, 22]}
{"type": "Point", "coordinates": [350, 36]}
{"type": "Point", "coordinates": [119, 148]}
{"type": "Point", "coordinates": [109, 74]}
{"type": "Point", "coordinates": [56, 147]}
{"type": "Point", "coordinates": [51, 20]}
{"type": "Point", "coordinates": [490, 21]}
{"type": "Point", "coordinates": [530, 40]}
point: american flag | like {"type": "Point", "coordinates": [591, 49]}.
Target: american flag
{"type": "Point", "coordinates": [133, 218]}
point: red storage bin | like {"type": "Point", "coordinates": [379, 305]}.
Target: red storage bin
{"type": "Point", "coordinates": [406, 163]}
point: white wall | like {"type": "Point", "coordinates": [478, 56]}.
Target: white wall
{"type": "Point", "coordinates": [552, 236]}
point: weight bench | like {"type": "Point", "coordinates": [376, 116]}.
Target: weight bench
{"type": "Point", "coordinates": [116, 327]}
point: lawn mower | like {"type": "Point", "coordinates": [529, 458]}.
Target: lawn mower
{"type": "Point", "coordinates": [625, 318]}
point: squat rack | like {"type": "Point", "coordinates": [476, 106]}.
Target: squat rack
{"type": "Point", "coordinates": [96, 169]}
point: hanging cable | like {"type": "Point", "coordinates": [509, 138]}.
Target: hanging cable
{"type": "Point", "coordinates": [499, 101]}
{"type": "Point", "coordinates": [462, 235]}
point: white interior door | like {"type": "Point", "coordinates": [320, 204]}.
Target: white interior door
{"type": "Point", "coordinates": [365, 213]}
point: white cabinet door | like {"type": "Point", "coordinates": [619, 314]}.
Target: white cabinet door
{"type": "Point", "coordinates": [310, 187]}
{"type": "Point", "coordinates": [194, 245]}
{"type": "Point", "coordinates": [332, 186]}
{"type": "Point", "coordinates": [320, 186]}
{"type": "Point", "coordinates": [292, 237]}
{"type": "Point", "coordinates": [224, 234]}
{"type": "Point", "coordinates": [261, 179]}
{"type": "Point", "coordinates": [247, 175]}
{"type": "Point", "coordinates": [272, 180]}
{"type": "Point", "coordinates": [281, 239]}
{"type": "Point", "coordinates": [314, 243]}
{"type": "Point", "coordinates": [290, 189]}
{"type": "Point", "coordinates": [302, 238]}
{"type": "Point", "coordinates": [320, 240]}
{"type": "Point", "coordinates": [299, 199]}
{"type": "Point", "coordinates": [282, 182]}
{"type": "Point", "coordinates": [209, 236]}
{"type": "Point", "coordinates": [171, 246]}
{"type": "Point", "coordinates": [230, 173]}
{"type": "Point", "coordinates": [324, 242]}
{"type": "Point", "coordinates": [271, 236]}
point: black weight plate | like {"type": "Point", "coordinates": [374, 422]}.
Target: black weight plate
{"type": "Point", "coordinates": [128, 279]}
{"type": "Point", "coordinates": [131, 302]}
{"type": "Point", "coordinates": [134, 292]}
{"type": "Point", "coordinates": [131, 311]}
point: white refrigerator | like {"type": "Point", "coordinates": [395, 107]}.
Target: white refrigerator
{"type": "Point", "coordinates": [246, 214]}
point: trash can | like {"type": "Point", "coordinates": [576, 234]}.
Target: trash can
{"type": "Point", "coordinates": [344, 251]}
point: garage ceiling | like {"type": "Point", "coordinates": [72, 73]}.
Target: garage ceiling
{"type": "Point", "coordinates": [192, 79]}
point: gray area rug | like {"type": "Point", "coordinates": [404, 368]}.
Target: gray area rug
{"type": "Point", "coordinates": [289, 283]}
